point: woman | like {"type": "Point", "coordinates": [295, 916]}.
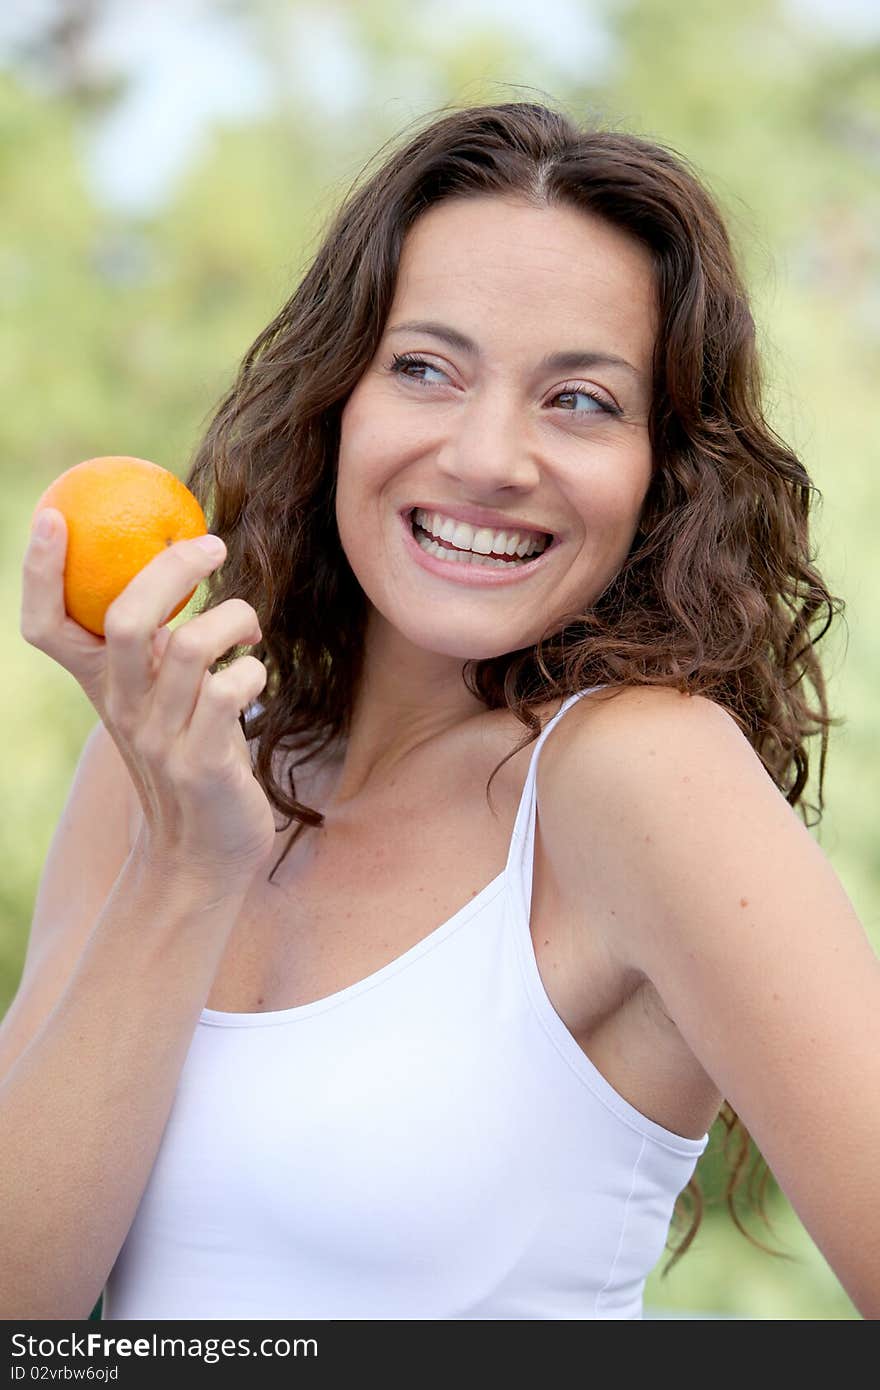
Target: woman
{"type": "Point", "coordinates": [500, 461]}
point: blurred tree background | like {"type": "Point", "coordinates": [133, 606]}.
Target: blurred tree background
{"type": "Point", "coordinates": [167, 172]}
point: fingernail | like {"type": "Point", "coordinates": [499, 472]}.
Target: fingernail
{"type": "Point", "coordinates": [212, 544]}
{"type": "Point", "coordinates": [44, 527]}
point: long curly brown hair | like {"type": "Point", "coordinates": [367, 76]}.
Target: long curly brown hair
{"type": "Point", "coordinates": [718, 594]}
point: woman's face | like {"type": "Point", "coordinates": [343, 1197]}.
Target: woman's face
{"type": "Point", "coordinates": [494, 435]}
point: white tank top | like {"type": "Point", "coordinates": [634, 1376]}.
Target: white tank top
{"type": "Point", "coordinates": [427, 1143]}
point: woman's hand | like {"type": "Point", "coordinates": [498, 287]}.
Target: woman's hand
{"type": "Point", "coordinates": [175, 723]}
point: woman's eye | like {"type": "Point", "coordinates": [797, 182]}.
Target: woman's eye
{"type": "Point", "coordinates": [402, 362]}
{"type": "Point", "coordinates": [588, 395]}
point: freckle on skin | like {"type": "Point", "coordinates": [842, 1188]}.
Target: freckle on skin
{"type": "Point", "coordinates": [648, 840]}
{"type": "Point", "coordinates": [743, 902]}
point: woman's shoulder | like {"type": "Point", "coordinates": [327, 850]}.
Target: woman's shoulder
{"type": "Point", "coordinates": [618, 714]}
{"type": "Point", "coordinates": [645, 794]}
{"type": "Point", "coordinates": [644, 698]}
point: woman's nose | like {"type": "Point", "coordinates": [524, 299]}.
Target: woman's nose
{"type": "Point", "coordinates": [490, 448]}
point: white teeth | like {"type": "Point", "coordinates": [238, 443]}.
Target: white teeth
{"type": "Point", "coordinates": [463, 557]}
{"type": "Point", "coordinates": [480, 540]}
{"type": "Point", "coordinates": [463, 536]}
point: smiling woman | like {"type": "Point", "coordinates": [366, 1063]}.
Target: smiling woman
{"type": "Point", "coordinates": [535, 329]}
{"type": "Point", "coordinates": [500, 464]}
{"type": "Point", "coordinates": [497, 253]}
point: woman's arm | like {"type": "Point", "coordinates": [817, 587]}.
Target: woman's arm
{"type": "Point", "coordinates": [84, 1105]}
{"type": "Point", "coordinates": [661, 817]}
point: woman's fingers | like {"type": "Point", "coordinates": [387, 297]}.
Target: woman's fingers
{"type": "Point", "coordinates": [137, 614]}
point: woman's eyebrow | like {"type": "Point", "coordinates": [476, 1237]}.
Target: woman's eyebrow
{"type": "Point", "coordinates": [569, 361]}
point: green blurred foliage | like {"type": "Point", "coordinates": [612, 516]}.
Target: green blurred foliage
{"type": "Point", "coordinates": [119, 334]}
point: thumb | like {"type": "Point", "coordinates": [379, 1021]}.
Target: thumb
{"type": "Point", "coordinates": [48, 527]}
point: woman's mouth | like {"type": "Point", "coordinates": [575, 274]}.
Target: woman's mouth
{"type": "Point", "coordinates": [512, 551]}
{"type": "Point", "coordinates": [461, 565]}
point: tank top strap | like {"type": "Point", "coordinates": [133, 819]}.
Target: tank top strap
{"type": "Point", "coordinates": [520, 861]}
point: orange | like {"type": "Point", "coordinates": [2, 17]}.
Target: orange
{"type": "Point", "coordinates": [120, 513]}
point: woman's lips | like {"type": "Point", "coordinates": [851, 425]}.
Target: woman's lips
{"type": "Point", "coordinates": [418, 530]}
{"type": "Point", "coordinates": [468, 573]}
